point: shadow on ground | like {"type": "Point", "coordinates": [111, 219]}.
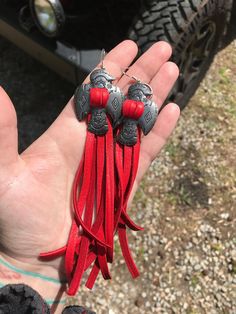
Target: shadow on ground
{"type": "Point", "coordinates": [189, 187]}
{"type": "Point", "coordinates": [37, 93]}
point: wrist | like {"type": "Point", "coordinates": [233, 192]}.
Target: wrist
{"type": "Point", "coordinates": [43, 279]}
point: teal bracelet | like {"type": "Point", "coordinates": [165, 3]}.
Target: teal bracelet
{"type": "Point", "coordinates": [31, 274]}
{"type": "Point", "coordinates": [51, 302]}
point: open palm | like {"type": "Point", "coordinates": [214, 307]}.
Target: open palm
{"type": "Point", "coordinates": [35, 187]}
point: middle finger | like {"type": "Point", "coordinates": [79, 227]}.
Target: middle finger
{"type": "Point", "coordinates": [147, 65]}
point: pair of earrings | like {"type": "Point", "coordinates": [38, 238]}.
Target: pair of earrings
{"type": "Point", "coordinates": [109, 113]}
{"type": "Point", "coordinates": [105, 176]}
{"type": "Point", "coordinates": [100, 97]}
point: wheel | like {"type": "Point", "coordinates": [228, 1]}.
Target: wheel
{"type": "Point", "coordinates": [194, 28]}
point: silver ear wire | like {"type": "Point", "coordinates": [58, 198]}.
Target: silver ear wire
{"type": "Point", "coordinates": [103, 54]}
{"type": "Point", "coordinates": [132, 77]}
{"type": "Point", "coordinates": [149, 86]}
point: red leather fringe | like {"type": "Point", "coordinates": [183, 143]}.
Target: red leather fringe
{"type": "Point", "coordinates": [91, 236]}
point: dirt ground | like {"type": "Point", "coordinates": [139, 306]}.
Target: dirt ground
{"type": "Point", "coordinates": [186, 203]}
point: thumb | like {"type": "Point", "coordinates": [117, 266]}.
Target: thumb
{"type": "Point", "coordinates": [8, 131]}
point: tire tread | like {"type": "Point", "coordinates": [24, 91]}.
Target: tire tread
{"type": "Point", "coordinates": [174, 21]}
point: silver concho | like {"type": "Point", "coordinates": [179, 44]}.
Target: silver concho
{"type": "Point", "coordinates": [98, 125]}
{"type": "Point", "coordinates": [128, 133]}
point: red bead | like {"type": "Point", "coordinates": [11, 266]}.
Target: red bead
{"type": "Point", "coordinates": [99, 97]}
{"type": "Point", "coordinates": [132, 109]}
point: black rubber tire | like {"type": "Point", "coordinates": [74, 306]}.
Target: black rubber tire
{"type": "Point", "coordinates": [180, 23]}
{"type": "Point", "coordinates": [21, 299]}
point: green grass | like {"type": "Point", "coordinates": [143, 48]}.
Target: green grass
{"type": "Point", "coordinates": [172, 149]}
{"type": "Point", "coordinates": [194, 281]}
{"type": "Point", "coordinates": [216, 247]}
{"type": "Point", "coordinates": [224, 74]}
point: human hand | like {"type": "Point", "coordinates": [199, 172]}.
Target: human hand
{"type": "Point", "coordinates": [35, 187]}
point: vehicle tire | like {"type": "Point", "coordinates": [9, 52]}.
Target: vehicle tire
{"type": "Point", "coordinates": [194, 28]}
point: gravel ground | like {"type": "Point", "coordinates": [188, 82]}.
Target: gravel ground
{"type": "Point", "coordinates": [187, 253]}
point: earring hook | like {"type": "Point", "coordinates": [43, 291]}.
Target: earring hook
{"type": "Point", "coordinates": [132, 77]}
{"type": "Point", "coordinates": [137, 80]}
{"type": "Point", "coordinates": [103, 54]}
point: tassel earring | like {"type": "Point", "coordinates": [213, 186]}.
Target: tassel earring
{"type": "Point", "coordinates": [139, 114]}
{"type": "Point", "coordinates": [92, 231]}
